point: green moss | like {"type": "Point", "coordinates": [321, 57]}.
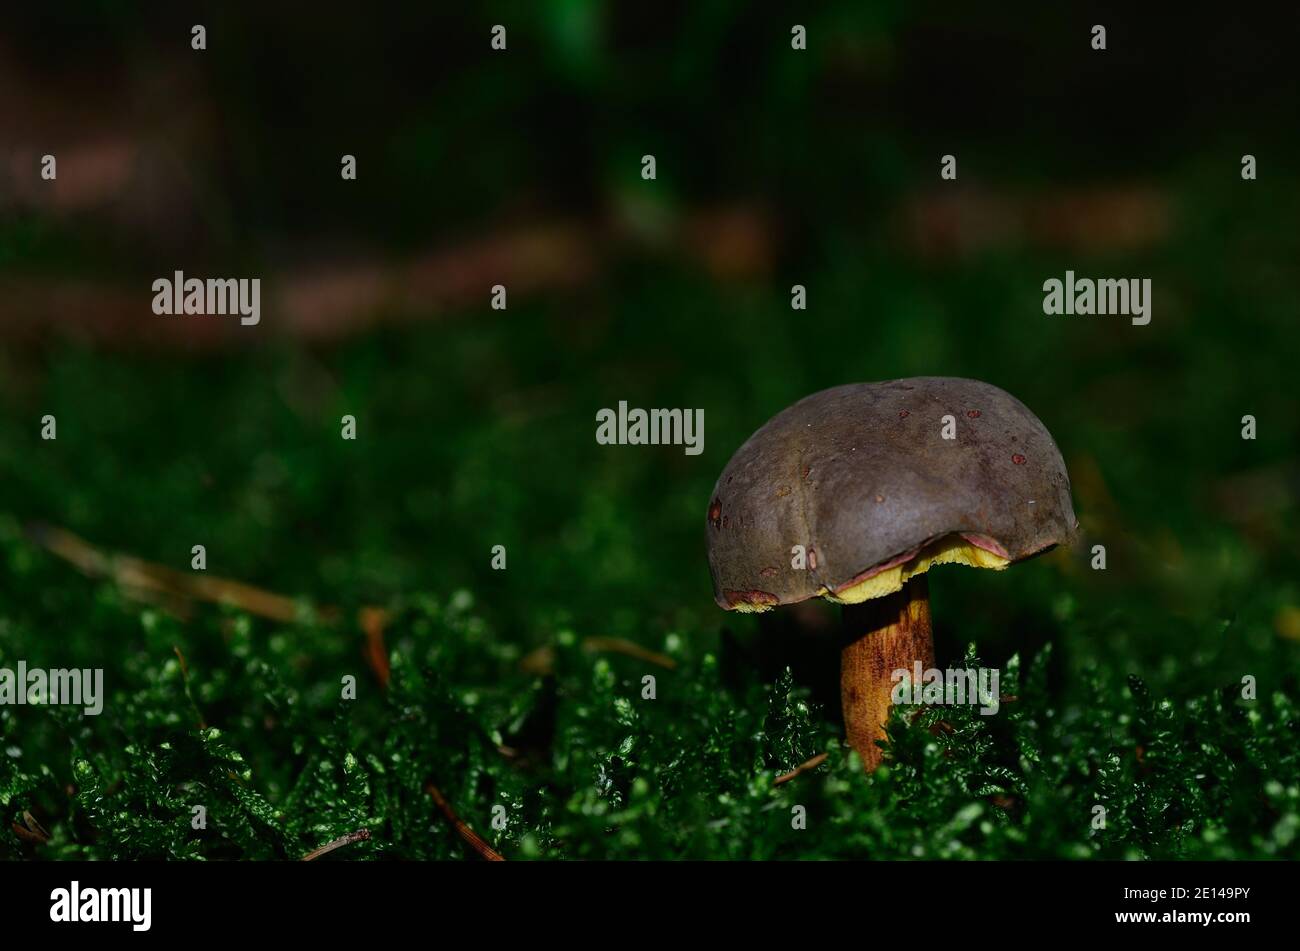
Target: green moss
{"type": "Point", "coordinates": [475, 429]}
{"type": "Point", "coordinates": [586, 768]}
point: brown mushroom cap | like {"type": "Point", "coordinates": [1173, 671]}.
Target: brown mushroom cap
{"type": "Point", "coordinates": [862, 478]}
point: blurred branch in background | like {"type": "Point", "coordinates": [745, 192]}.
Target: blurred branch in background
{"type": "Point", "coordinates": [962, 221]}
{"type": "Point", "coordinates": [324, 302]}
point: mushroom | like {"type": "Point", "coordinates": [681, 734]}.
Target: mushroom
{"type": "Point", "coordinates": [863, 479]}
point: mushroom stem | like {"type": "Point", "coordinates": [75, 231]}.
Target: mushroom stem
{"type": "Point", "coordinates": [881, 635]}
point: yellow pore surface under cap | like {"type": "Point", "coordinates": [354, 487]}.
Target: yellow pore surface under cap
{"type": "Point", "coordinates": [952, 550]}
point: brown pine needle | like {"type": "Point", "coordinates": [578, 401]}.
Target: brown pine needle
{"type": "Point", "coordinates": [185, 668]}
{"type": "Point", "coordinates": [542, 660]}
{"type": "Point", "coordinates": [373, 621]}
{"type": "Point", "coordinates": [177, 590]}
{"type": "Point", "coordinates": [469, 835]}
{"type": "Point", "coordinates": [146, 580]}
{"type": "Point", "coordinates": [801, 768]}
{"type": "Point", "coordinates": [361, 835]}
{"type": "Point", "coordinates": [31, 830]}
{"type": "Point", "coordinates": [620, 646]}
{"type": "Point", "coordinates": [185, 676]}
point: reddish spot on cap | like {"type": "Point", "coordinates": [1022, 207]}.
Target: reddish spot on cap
{"type": "Point", "coordinates": [715, 513]}
{"type": "Point", "coordinates": [1018, 459]}
{"type": "Point", "coordinates": [806, 471]}
{"type": "Point", "coordinates": [904, 414]}
{"type": "Point", "coordinates": [974, 414]}
{"type": "Point", "coordinates": [768, 572]}
{"type": "Point", "coordinates": [880, 498]}
{"type": "Point", "coordinates": [812, 558]}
